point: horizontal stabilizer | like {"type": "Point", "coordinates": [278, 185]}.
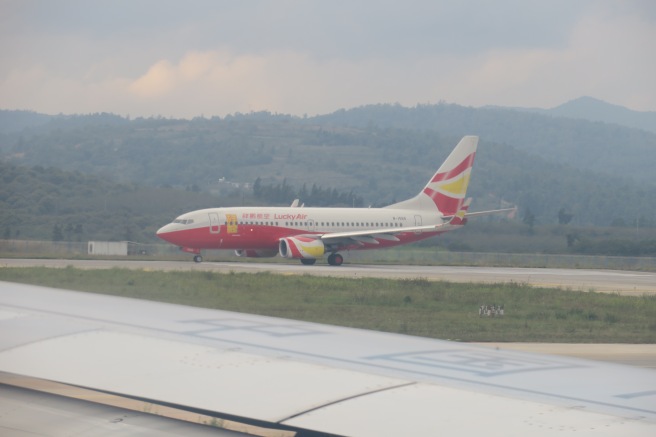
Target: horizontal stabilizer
{"type": "Point", "coordinates": [511, 212]}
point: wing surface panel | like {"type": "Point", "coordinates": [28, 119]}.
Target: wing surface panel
{"type": "Point", "coordinates": [431, 410]}
{"type": "Point", "coordinates": [195, 376]}
{"type": "Point", "coordinates": [307, 374]}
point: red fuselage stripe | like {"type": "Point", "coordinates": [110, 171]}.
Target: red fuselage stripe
{"type": "Point", "coordinates": [266, 238]}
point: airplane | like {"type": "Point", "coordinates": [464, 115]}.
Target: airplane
{"type": "Point", "coordinates": [308, 234]}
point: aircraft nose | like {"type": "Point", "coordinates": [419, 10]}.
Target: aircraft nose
{"type": "Point", "coordinates": [164, 231]}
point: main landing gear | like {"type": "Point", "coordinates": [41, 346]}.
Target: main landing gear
{"type": "Point", "coordinates": [335, 259]}
{"type": "Point", "coordinates": [198, 259]}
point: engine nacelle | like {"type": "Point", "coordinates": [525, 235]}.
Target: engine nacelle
{"type": "Point", "coordinates": [301, 247]}
{"type": "Point", "coordinates": [256, 253]}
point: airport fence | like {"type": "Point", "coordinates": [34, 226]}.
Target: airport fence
{"type": "Point", "coordinates": [35, 248]}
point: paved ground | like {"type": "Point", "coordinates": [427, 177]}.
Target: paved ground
{"type": "Point", "coordinates": [613, 281]}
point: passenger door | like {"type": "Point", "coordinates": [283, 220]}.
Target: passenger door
{"type": "Point", "coordinates": [215, 224]}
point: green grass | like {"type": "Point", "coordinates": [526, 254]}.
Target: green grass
{"type": "Point", "coordinates": [418, 307]}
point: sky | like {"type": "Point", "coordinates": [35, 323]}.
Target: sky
{"type": "Point", "coordinates": [193, 58]}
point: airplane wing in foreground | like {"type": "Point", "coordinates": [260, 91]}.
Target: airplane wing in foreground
{"type": "Point", "coordinates": [310, 377]}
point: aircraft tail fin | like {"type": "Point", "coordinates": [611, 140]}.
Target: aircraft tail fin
{"type": "Point", "coordinates": [446, 190]}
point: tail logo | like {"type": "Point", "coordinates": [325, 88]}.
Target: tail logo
{"type": "Point", "coordinates": [448, 189]}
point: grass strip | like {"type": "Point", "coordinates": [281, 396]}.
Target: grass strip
{"type": "Point", "coordinates": [420, 307]}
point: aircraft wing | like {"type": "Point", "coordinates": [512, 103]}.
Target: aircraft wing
{"type": "Point", "coordinates": [310, 377]}
{"type": "Point", "coordinates": [372, 235]}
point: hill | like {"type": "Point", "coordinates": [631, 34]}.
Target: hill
{"type": "Point", "coordinates": [381, 153]}
{"type": "Point", "coordinates": [604, 148]}
{"type": "Point", "coordinates": [51, 204]}
{"type": "Point", "coordinates": [589, 108]}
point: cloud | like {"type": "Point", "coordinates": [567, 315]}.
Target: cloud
{"type": "Point", "coordinates": [605, 57]}
{"type": "Point", "coordinates": [241, 59]}
{"type": "Point", "coordinates": [158, 81]}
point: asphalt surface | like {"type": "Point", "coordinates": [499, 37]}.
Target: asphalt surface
{"type": "Point", "coordinates": [613, 281]}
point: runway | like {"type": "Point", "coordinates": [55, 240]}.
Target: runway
{"type": "Point", "coordinates": [612, 281]}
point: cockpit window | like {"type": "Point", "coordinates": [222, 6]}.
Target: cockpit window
{"type": "Point", "coordinates": [183, 222]}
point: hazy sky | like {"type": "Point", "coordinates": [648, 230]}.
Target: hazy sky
{"type": "Point", "coordinates": [212, 57]}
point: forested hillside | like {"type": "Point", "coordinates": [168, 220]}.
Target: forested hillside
{"type": "Point", "coordinates": [605, 148]}
{"type": "Point", "coordinates": [51, 204]}
{"type": "Point", "coordinates": [594, 173]}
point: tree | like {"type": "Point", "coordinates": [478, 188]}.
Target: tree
{"type": "Point", "coordinates": [57, 234]}
{"type": "Point", "coordinates": [529, 219]}
{"type": "Point", "coordinates": [257, 188]}
{"type": "Point", "coordinates": [303, 193]}
{"type": "Point", "coordinates": [564, 217]}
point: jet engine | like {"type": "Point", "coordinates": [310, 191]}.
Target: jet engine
{"type": "Point", "coordinates": [256, 253]}
{"type": "Point", "coordinates": [301, 247]}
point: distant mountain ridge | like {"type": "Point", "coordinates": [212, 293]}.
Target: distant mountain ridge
{"type": "Point", "coordinates": [384, 153]}
{"type": "Point", "coordinates": [585, 145]}
{"type": "Point", "coordinates": [591, 109]}
{"type": "Point", "coordinates": [582, 108]}
{"type": "Point", "coordinates": [541, 161]}
{"type": "Point", "coordinates": [16, 121]}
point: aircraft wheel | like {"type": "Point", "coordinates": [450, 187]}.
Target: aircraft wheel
{"type": "Point", "coordinates": [308, 261]}
{"type": "Point", "coordinates": [198, 259]}
{"type": "Point", "coordinates": [335, 259]}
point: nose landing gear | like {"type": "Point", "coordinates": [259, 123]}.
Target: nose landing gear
{"type": "Point", "coordinates": [197, 257]}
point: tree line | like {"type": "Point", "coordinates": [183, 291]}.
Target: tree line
{"type": "Point", "coordinates": [316, 196]}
